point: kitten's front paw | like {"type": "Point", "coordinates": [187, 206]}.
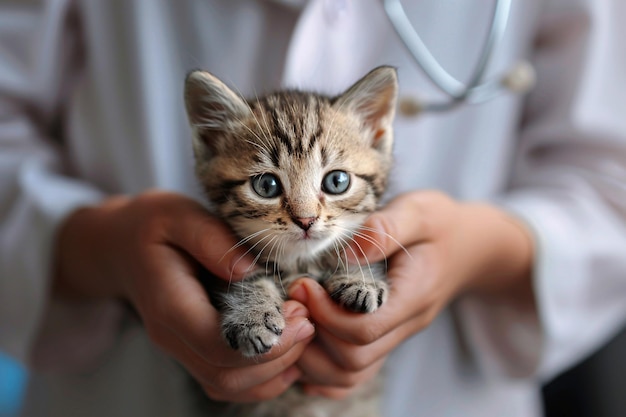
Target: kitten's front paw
{"type": "Point", "coordinates": [253, 333]}
{"type": "Point", "coordinates": [356, 294]}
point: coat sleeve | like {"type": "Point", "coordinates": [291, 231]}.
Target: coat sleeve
{"type": "Point", "coordinates": [569, 186]}
{"type": "Point", "coordinates": [38, 60]}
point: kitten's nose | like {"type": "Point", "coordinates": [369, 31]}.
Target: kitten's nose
{"type": "Point", "coordinates": [304, 223]}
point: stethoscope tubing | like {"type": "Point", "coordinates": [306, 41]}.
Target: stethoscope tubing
{"type": "Point", "coordinates": [477, 89]}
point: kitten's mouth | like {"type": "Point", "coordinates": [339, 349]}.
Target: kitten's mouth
{"type": "Point", "coordinates": [309, 236]}
{"type": "Point", "coordinates": [312, 235]}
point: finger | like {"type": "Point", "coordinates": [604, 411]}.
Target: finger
{"type": "Point", "coordinates": [319, 369]}
{"type": "Point", "coordinates": [393, 228]}
{"type": "Point", "coordinates": [333, 393]}
{"type": "Point", "coordinates": [208, 240]}
{"type": "Point", "coordinates": [180, 303]}
{"type": "Point", "coordinates": [271, 377]}
{"type": "Point", "coordinates": [405, 302]}
{"type": "Point", "coordinates": [354, 358]}
{"type": "Point", "coordinates": [232, 381]}
{"type": "Point", "coordinates": [262, 392]}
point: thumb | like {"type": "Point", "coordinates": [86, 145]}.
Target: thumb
{"type": "Point", "coordinates": [324, 312]}
{"type": "Point", "coordinates": [208, 240]}
{"type": "Point", "coordinates": [395, 227]}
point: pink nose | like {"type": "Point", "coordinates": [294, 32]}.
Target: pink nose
{"type": "Point", "coordinates": [304, 223]}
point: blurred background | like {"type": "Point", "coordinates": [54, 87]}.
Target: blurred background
{"type": "Point", "coordinates": [594, 388]}
{"type": "Point", "coordinates": [12, 384]}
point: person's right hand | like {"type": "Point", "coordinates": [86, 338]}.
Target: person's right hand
{"type": "Point", "coordinates": [146, 249]}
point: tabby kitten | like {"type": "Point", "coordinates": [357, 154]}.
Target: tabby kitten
{"type": "Point", "coordinates": [294, 174]}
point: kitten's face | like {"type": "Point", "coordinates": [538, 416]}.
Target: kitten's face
{"type": "Point", "coordinates": [294, 173]}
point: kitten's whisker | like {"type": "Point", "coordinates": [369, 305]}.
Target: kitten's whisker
{"type": "Point", "coordinates": [405, 250]}
{"type": "Point", "coordinates": [267, 126]}
{"type": "Point", "coordinates": [250, 249]}
{"type": "Point", "coordinates": [336, 246]}
{"type": "Point", "coordinates": [281, 247]}
{"type": "Point", "coordinates": [332, 120]}
{"type": "Point", "coordinates": [366, 259]}
{"type": "Point", "coordinates": [242, 242]}
{"type": "Point", "coordinates": [260, 253]}
{"type": "Point", "coordinates": [276, 270]}
{"type": "Point", "coordinates": [265, 133]}
{"type": "Point", "coordinates": [372, 241]}
{"type": "Point", "coordinates": [355, 255]}
{"type": "Point", "coordinates": [352, 233]}
{"type": "Point", "coordinates": [264, 141]}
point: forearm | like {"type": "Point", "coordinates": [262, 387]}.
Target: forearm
{"type": "Point", "coordinates": [502, 250]}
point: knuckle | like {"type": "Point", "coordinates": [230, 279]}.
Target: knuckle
{"type": "Point", "coordinates": [149, 217]}
{"type": "Point", "coordinates": [367, 334]}
{"type": "Point", "coordinates": [348, 380]}
{"type": "Point", "coordinates": [434, 197]}
{"type": "Point", "coordinates": [215, 395]}
{"type": "Point", "coordinates": [338, 394]}
{"type": "Point", "coordinates": [227, 383]}
{"type": "Point", "coordinates": [429, 316]}
{"type": "Point", "coordinates": [355, 361]}
{"type": "Point", "coordinates": [265, 394]}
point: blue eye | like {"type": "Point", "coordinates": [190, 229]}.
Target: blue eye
{"type": "Point", "coordinates": [266, 185]}
{"type": "Point", "coordinates": [336, 182]}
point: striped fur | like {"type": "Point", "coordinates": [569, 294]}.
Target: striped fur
{"type": "Point", "coordinates": [300, 138]}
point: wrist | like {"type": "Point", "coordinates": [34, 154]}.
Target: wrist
{"type": "Point", "coordinates": [504, 248]}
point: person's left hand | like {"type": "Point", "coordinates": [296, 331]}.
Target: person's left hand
{"type": "Point", "coordinates": [435, 248]}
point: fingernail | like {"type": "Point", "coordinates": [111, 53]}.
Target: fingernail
{"type": "Point", "coordinates": [306, 330]}
{"type": "Point", "coordinates": [298, 293]}
{"type": "Point", "coordinates": [291, 375]}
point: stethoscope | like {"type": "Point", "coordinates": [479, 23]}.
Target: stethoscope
{"type": "Point", "coordinates": [519, 79]}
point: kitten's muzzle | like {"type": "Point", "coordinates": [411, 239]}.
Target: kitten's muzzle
{"type": "Point", "coordinates": [304, 223]}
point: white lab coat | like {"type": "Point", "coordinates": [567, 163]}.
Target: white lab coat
{"type": "Point", "coordinates": [91, 105]}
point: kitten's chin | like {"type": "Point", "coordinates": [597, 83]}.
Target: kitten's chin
{"type": "Point", "coordinates": [306, 248]}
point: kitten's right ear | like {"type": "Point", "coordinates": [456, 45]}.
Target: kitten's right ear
{"type": "Point", "coordinates": [212, 107]}
{"type": "Point", "coordinates": [373, 100]}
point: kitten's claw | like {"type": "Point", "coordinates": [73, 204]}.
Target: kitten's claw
{"type": "Point", "coordinates": [256, 334]}
{"type": "Point", "coordinates": [356, 295]}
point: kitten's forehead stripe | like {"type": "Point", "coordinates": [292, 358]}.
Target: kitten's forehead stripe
{"type": "Point", "coordinates": [279, 132]}
{"type": "Point", "coordinates": [324, 155]}
{"type": "Point", "coordinates": [296, 121]}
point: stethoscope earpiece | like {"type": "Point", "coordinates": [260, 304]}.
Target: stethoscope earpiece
{"type": "Point", "coordinates": [520, 79]}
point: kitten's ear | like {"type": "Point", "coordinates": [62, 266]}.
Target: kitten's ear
{"type": "Point", "coordinates": [212, 107]}
{"type": "Point", "coordinates": [373, 99]}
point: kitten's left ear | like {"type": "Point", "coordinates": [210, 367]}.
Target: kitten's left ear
{"type": "Point", "coordinates": [210, 103]}
{"type": "Point", "coordinates": [373, 99]}
{"type": "Point", "coordinates": [213, 109]}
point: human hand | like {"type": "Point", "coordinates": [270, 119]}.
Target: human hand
{"type": "Point", "coordinates": [147, 250]}
{"type": "Point", "coordinates": [436, 248]}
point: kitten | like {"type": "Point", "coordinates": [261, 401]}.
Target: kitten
{"type": "Point", "coordinates": [294, 174]}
